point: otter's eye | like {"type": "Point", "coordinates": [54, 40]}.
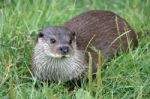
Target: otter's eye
{"type": "Point", "coordinates": [41, 34]}
{"type": "Point", "coordinates": [52, 40]}
{"type": "Point", "coordinates": [70, 41]}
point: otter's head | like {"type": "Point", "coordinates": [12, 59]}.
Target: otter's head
{"type": "Point", "coordinates": [57, 42]}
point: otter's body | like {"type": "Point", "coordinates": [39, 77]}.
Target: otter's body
{"type": "Point", "coordinates": [108, 31]}
{"type": "Point", "coordinates": [59, 52]}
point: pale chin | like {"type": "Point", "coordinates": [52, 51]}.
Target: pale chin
{"type": "Point", "coordinates": [56, 55]}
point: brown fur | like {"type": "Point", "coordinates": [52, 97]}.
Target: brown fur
{"type": "Point", "coordinates": [102, 26]}
{"type": "Point", "coordinates": [107, 32]}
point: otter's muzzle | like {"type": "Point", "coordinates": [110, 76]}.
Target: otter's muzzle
{"type": "Point", "coordinates": [64, 50]}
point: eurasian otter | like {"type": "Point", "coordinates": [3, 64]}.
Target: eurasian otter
{"type": "Point", "coordinates": [60, 52]}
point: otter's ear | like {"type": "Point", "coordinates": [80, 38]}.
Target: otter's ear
{"type": "Point", "coordinates": [73, 33]}
{"type": "Point", "coordinates": [40, 35]}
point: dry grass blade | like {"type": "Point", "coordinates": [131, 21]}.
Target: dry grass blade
{"type": "Point", "coordinates": [11, 90]}
{"type": "Point", "coordinates": [99, 70]}
{"type": "Point", "coordinates": [90, 73]}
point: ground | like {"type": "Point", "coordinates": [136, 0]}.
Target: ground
{"type": "Point", "coordinates": [126, 76]}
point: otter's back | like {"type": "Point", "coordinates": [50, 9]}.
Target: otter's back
{"type": "Point", "coordinates": [108, 31]}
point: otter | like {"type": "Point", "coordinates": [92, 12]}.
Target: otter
{"type": "Point", "coordinates": [60, 53]}
{"type": "Point", "coordinates": [55, 56]}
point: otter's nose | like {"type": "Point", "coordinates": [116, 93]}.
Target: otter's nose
{"type": "Point", "coordinates": [64, 49]}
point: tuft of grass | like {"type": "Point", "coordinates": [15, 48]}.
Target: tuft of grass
{"type": "Point", "coordinates": [126, 76]}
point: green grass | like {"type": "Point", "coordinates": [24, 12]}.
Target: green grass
{"type": "Point", "coordinates": [126, 76]}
